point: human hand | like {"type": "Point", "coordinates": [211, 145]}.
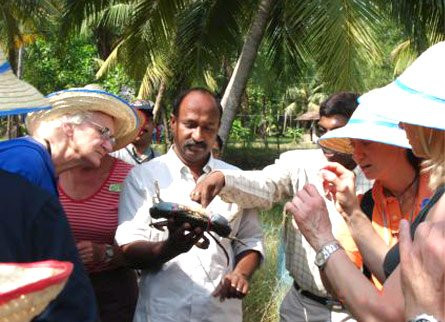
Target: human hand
{"type": "Point", "coordinates": [181, 238]}
{"type": "Point", "coordinates": [422, 269]}
{"type": "Point", "coordinates": [233, 285]}
{"type": "Point", "coordinates": [311, 215]}
{"type": "Point", "coordinates": [207, 188]}
{"type": "Point", "coordinates": [90, 252]}
{"type": "Point", "coordinates": [339, 185]}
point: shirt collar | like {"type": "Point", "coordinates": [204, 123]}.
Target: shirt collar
{"type": "Point", "coordinates": [180, 169]}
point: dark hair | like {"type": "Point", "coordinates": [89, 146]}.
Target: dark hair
{"type": "Point", "coordinates": [413, 160]}
{"type": "Point", "coordinates": [341, 103]}
{"type": "Point", "coordinates": [180, 98]}
{"type": "Point", "coordinates": [219, 141]}
{"type": "Point", "coordinates": [148, 113]}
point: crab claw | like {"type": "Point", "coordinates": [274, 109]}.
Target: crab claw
{"type": "Point", "coordinates": [203, 243]}
{"type": "Point", "coordinates": [159, 225]}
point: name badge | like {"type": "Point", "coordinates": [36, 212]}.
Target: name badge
{"type": "Point", "coordinates": [115, 187]}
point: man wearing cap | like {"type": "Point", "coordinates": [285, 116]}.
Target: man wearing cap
{"type": "Point", "coordinates": [140, 150]}
{"type": "Point", "coordinates": [181, 282]}
{"type": "Point", "coordinates": [307, 299]}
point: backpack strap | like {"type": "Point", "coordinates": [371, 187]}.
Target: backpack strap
{"type": "Point", "coordinates": [367, 206]}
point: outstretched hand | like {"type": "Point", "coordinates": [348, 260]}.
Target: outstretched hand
{"type": "Point", "coordinates": [339, 186]}
{"type": "Point", "coordinates": [181, 238]}
{"type": "Point", "coordinates": [207, 188]}
{"type": "Point", "coordinates": [311, 215]}
{"type": "Point", "coordinates": [233, 285]}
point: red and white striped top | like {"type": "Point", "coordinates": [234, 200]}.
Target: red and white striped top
{"type": "Point", "coordinates": [96, 217]}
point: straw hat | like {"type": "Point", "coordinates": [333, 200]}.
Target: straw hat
{"type": "Point", "coordinates": [365, 125]}
{"type": "Point", "coordinates": [417, 96]}
{"type": "Point", "coordinates": [127, 139]}
{"type": "Point", "coordinates": [17, 96]}
{"type": "Point", "coordinates": [27, 288]}
{"type": "Point", "coordinates": [89, 99]}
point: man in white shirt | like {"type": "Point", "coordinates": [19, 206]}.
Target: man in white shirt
{"type": "Point", "coordinates": [307, 300]}
{"type": "Point", "coordinates": [180, 282]}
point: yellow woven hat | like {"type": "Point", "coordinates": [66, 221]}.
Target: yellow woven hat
{"type": "Point", "coordinates": [27, 288]}
{"type": "Point", "coordinates": [90, 99]}
{"type": "Point", "coordinates": [17, 96]}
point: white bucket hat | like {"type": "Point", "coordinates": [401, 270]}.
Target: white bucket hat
{"type": "Point", "coordinates": [417, 96]}
{"type": "Point", "coordinates": [364, 124]}
{"type": "Point", "coordinates": [17, 96]}
{"type": "Point", "coordinates": [90, 99]}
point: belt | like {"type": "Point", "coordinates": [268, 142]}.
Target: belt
{"type": "Point", "coordinates": [329, 302]}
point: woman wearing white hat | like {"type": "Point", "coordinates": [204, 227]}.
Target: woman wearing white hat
{"type": "Point", "coordinates": [417, 99]}
{"type": "Point", "coordinates": [81, 127]}
{"type": "Point", "coordinates": [382, 151]}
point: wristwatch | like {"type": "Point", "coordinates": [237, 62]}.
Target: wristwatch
{"type": "Point", "coordinates": [109, 253]}
{"type": "Point", "coordinates": [424, 318]}
{"type": "Point", "coordinates": [325, 252]}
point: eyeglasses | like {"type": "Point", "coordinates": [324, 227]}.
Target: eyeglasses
{"type": "Point", "coordinates": [104, 132]}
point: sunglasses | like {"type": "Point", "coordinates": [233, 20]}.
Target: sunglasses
{"type": "Point", "coordinates": [104, 132]}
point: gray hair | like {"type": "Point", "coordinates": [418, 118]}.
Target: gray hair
{"type": "Point", "coordinates": [47, 128]}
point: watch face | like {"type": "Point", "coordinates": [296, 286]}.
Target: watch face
{"type": "Point", "coordinates": [320, 259]}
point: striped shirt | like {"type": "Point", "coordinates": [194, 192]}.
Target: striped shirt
{"type": "Point", "coordinates": [95, 218]}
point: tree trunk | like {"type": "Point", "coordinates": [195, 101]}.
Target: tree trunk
{"type": "Point", "coordinates": [13, 121]}
{"type": "Point", "coordinates": [158, 102]}
{"type": "Point", "coordinates": [237, 84]}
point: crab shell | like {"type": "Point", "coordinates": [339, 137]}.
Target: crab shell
{"type": "Point", "coordinates": [196, 217]}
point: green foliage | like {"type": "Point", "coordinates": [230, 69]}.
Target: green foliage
{"type": "Point", "coordinates": [266, 291]}
{"type": "Point", "coordinates": [51, 67]}
{"type": "Point", "coordinates": [295, 133]}
{"type": "Point", "coordinates": [241, 134]}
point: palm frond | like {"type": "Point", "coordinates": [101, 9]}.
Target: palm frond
{"type": "Point", "coordinates": [341, 36]}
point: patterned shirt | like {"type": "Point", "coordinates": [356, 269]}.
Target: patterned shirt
{"type": "Point", "coordinates": [95, 218]}
{"type": "Point", "coordinates": [278, 182]}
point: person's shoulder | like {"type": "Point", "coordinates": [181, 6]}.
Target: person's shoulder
{"type": "Point", "coordinates": [304, 157]}
{"type": "Point", "coordinates": [219, 164]}
{"type": "Point", "coordinates": [15, 187]}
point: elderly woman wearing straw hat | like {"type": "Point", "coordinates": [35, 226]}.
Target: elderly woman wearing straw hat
{"type": "Point", "coordinates": [417, 99]}
{"type": "Point", "coordinates": [90, 198]}
{"type": "Point", "coordinates": [382, 151]}
{"type": "Point", "coordinates": [33, 226]}
{"type": "Point", "coordinates": [81, 127]}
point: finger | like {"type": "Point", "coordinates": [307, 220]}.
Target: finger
{"type": "Point", "coordinates": [336, 168]}
{"type": "Point", "coordinates": [195, 195]}
{"type": "Point", "coordinates": [217, 291]}
{"type": "Point", "coordinates": [405, 243]}
{"type": "Point", "coordinates": [312, 191]}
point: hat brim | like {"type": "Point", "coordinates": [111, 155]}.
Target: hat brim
{"type": "Point", "coordinates": [340, 139]}
{"type": "Point", "coordinates": [17, 96]}
{"type": "Point", "coordinates": [73, 101]}
{"type": "Point", "coordinates": [127, 139]}
{"type": "Point", "coordinates": [403, 104]}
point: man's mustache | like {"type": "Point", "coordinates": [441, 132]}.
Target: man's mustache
{"type": "Point", "coordinates": [193, 143]}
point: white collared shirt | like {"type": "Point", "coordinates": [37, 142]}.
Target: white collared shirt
{"type": "Point", "coordinates": [181, 290]}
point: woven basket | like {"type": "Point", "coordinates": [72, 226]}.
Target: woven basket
{"type": "Point", "coordinates": [27, 288]}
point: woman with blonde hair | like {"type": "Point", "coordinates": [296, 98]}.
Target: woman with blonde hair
{"type": "Point", "coordinates": [417, 100]}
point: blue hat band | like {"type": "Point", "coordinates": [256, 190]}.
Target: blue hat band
{"type": "Point", "coordinates": [380, 123]}
{"type": "Point", "coordinates": [5, 67]}
{"type": "Point", "coordinates": [416, 92]}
